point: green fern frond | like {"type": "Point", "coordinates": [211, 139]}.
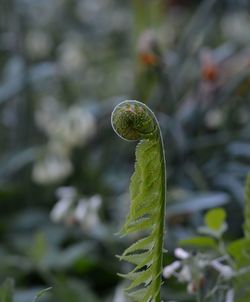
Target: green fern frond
{"type": "Point", "coordinates": [247, 208]}
{"type": "Point", "coordinates": [133, 120]}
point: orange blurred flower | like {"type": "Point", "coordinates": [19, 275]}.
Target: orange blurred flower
{"type": "Point", "coordinates": [148, 59]}
{"type": "Point", "coordinates": [209, 72]}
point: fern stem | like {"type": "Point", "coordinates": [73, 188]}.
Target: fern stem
{"type": "Point", "coordinates": [163, 206]}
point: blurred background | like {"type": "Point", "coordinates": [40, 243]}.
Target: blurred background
{"type": "Point", "coordinates": [64, 174]}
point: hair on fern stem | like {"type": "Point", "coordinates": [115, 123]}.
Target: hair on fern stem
{"type": "Point", "coordinates": [133, 120]}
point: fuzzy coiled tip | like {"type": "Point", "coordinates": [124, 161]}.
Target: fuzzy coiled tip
{"type": "Point", "coordinates": [133, 120]}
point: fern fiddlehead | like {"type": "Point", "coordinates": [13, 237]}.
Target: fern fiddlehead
{"type": "Point", "coordinates": [133, 120]}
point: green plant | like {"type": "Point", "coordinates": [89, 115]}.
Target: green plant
{"type": "Point", "coordinates": [217, 271]}
{"type": "Point", "coordinates": [133, 120]}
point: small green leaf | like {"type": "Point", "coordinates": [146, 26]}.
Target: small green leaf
{"type": "Point", "coordinates": [215, 219]}
{"type": "Point", "coordinates": [240, 251]}
{"type": "Point", "coordinates": [6, 291]}
{"type": "Point", "coordinates": [199, 242]}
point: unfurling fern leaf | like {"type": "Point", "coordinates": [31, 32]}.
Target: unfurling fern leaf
{"type": "Point", "coordinates": [133, 120]}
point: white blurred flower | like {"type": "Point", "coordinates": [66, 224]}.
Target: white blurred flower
{"type": "Point", "coordinates": [65, 128]}
{"type": "Point", "coordinates": [48, 113]}
{"type": "Point", "coordinates": [38, 44]}
{"type": "Point", "coordinates": [230, 296]}
{"type": "Point", "coordinates": [88, 11]}
{"type": "Point", "coordinates": [225, 270]}
{"type": "Point", "coordinates": [169, 270]}
{"type": "Point", "coordinates": [202, 263]}
{"type": "Point", "coordinates": [95, 202]}
{"type": "Point", "coordinates": [52, 168]}
{"type": "Point", "coordinates": [191, 288]}
{"type": "Point", "coordinates": [86, 212]}
{"type": "Point", "coordinates": [236, 26]}
{"type": "Point", "coordinates": [81, 125]}
{"type": "Point", "coordinates": [73, 128]}
{"type": "Point", "coordinates": [57, 146]}
{"type": "Point", "coordinates": [66, 193]}
{"type": "Point", "coordinates": [71, 56]}
{"type": "Point", "coordinates": [147, 41]}
{"type": "Point", "coordinates": [42, 13]}
{"type": "Point", "coordinates": [181, 253]}
{"type": "Point", "coordinates": [185, 274]}
{"type": "Point", "coordinates": [70, 210]}
{"type": "Point", "coordinates": [214, 119]}
{"type": "Point", "coordinates": [81, 210]}
{"type": "Point", "coordinates": [60, 210]}
{"type": "Point", "coordinates": [119, 295]}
